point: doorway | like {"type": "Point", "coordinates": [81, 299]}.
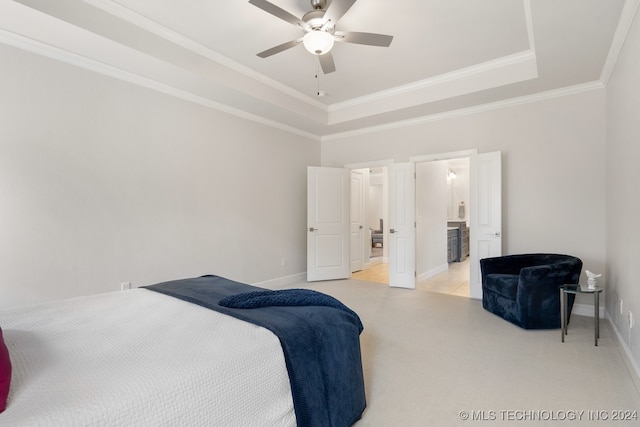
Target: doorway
{"type": "Point", "coordinates": [442, 226]}
{"type": "Point", "coordinates": [375, 208]}
{"type": "Point", "coordinates": [375, 215]}
{"type": "Point", "coordinates": [485, 216]}
{"type": "Point", "coordinates": [442, 187]}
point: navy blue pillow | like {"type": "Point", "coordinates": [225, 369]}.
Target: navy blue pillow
{"type": "Point", "coordinates": [286, 297]}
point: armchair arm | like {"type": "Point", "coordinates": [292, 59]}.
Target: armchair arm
{"type": "Point", "coordinates": [549, 276]}
{"type": "Point", "coordinates": [537, 295]}
{"type": "Point", "coordinates": [501, 265]}
{"type": "Point", "coordinates": [514, 264]}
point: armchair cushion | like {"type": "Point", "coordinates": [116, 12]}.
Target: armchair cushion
{"type": "Point", "coordinates": [524, 289]}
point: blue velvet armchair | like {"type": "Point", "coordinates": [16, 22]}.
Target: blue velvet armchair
{"type": "Point", "coordinates": [524, 289]}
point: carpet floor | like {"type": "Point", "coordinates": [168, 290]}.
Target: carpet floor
{"type": "Point", "coordinates": [440, 360]}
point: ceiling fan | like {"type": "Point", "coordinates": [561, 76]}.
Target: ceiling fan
{"type": "Point", "coordinates": [319, 27]}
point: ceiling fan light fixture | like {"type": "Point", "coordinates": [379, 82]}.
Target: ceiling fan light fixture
{"type": "Point", "coordinates": [318, 42]}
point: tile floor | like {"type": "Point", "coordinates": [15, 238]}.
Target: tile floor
{"type": "Point", "coordinates": [454, 281]}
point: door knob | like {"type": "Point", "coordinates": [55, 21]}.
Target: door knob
{"type": "Point", "coordinates": [391, 230]}
{"type": "Point", "coordinates": [312, 229]}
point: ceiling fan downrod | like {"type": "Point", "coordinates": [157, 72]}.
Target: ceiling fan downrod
{"type": "Point", "coordinates": [319, 4]}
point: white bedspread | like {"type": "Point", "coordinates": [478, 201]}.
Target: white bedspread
{"type": "Point", "coordinates": [140, 358]}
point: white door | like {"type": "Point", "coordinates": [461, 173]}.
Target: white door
{"type": "Point", "coordinates": [327, 223]}
{"type": "Point", "coordinates": [485, 211]}
{"type": "Point", "coordinates": [357, 238]}
{"type": "Point", "coordinates": [402, 232]}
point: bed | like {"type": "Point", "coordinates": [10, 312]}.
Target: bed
{"type": "Point", "coordinates": [182, 353]}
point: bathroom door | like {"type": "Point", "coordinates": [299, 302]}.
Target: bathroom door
{"type": "Point", "coordinates": [402, 225]}
{"type": "Point", "coordinates": [485, 199]}
{"type": "Point", "coordinates": [358, 234]}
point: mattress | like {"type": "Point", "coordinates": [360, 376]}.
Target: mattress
{"type": "Point", "coordinates": [141, 358]}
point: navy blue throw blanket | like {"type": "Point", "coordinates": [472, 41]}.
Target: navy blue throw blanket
{"type": "Point", "coordinates": [321, 343]}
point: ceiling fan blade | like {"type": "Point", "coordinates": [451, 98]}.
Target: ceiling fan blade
{"type": "Point", "coordinates": [336, 10]}
{"type": "Point", "coordinates": [279, 48]}
{"type": "Point", "coordinates": [326, 62]}
{"type": "Point", "coordinates": [278, 12]}
{"type": "Point", "coordinates": [370, 39]}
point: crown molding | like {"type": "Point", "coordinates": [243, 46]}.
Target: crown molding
{"type": "Point", "coordinates": [159, 30]}
{"type": "Point", "coordinates": [441, 79]}
{"type": "Point", "coordinates": [471, 75]}
{"type": "Point", "coordinates": [44, 46]}
{"type": "Point", "coordinates": [627, 16]}
{"type": "Point", "coordinates": [500, 72]}
{"type": "Point", "coordinates": [55, 53]}
{"type": "Point", "coordinates": [528, 99]}
{"type": "Point", "coordinates": [528, 16]}
{"type": "Point", "coordinates": [52, 52]}
{"type": "Point", "coordinates": [49, 51]}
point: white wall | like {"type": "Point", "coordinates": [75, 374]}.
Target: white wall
{"type": "Point", "coordinates": [623, 182]}
{"type": "Point", "coordinates": [103, 182]}
{"type": "Point", "coordinates": [374, 206]}
{"type": "Point", "coordinates": [458, 188]}
{"type": "Point", "coordinates": [431, 218]}
{"type": "Point", "coordinates": [553, 167]}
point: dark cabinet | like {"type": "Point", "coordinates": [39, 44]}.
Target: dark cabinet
{"type": "Point", "coordinates": [464, 243]}
{"type": "Point", "coordinates": [452, 244]}
{"type": "Point", "coordinates": [457, 241]}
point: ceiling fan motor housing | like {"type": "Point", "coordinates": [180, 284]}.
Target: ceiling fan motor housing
{"type": "Point", "coordinates": [315, 20]}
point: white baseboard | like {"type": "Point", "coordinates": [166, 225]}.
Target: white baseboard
{"type": "Point", "coordinates": [283, 282]}
{"type": "Point", "coordinates": [430, 273]}
{"type": "Point", "coordinates": [586, 310]}
{"type": "Point", "coordinates": [373, 261]}
{"type": "Point", "coordinates": [628, 356]}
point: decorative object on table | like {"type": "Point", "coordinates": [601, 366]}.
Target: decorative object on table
{"type": "Point", "coordinates": [592, 279]}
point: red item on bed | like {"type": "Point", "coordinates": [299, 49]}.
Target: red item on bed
{"type": "Point", "coordinates": [5, 373]}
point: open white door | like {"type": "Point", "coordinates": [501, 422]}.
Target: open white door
{"type": "Point", "coordinates": [327, 223]}
{"type": "Point", "coordinates": [357, 221]}
{"type": "Point", "coordinates": [402, 232]}
{"type": "Point", "coordinates": [485, 198]}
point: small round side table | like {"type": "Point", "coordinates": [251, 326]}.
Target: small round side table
{"type": "Point", "coordinates": [580, 289]}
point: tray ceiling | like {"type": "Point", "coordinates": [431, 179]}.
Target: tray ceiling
{"type": "Point", "coordinates": [446, 55]}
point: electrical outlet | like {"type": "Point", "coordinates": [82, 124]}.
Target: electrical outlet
{"type": "Point", "coordinates": [125, 286]}
{"type": "Point", "coordinates": [630, 320]}
{"type": "Point", "coordinates": [283, 261]}
{"type": "Point", "coordinates": [621, 307]}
